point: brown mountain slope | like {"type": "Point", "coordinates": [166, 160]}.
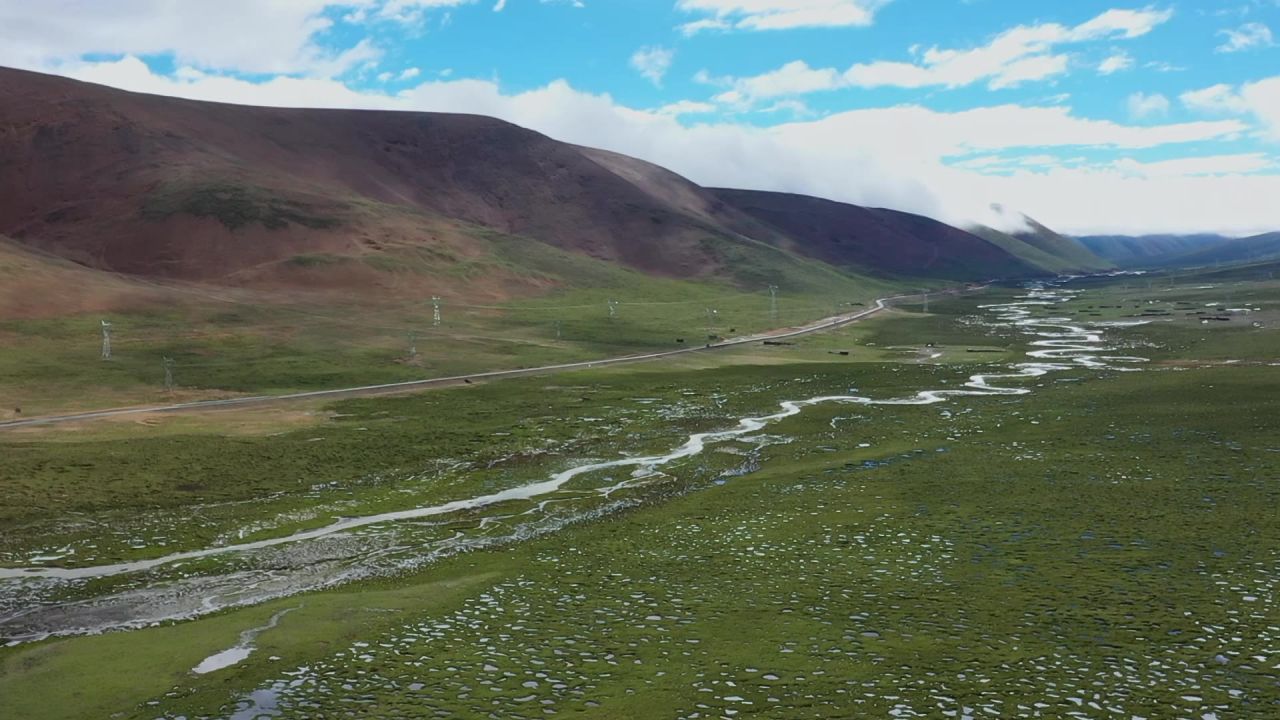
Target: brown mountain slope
{"type": "Point", "coordinates": [166, 187]}
{"type": "Point", "coordinates": [889, 241]}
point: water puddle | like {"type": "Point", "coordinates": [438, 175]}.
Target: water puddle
{"type": "Point", "coordinates": [242, 650]}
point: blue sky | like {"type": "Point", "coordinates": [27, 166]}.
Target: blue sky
{"type": "Point", "coordinates": [1093, 115]}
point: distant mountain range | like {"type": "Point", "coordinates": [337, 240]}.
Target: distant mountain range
{"type": "Point", "coordinates": [1182, 250]}
{"type": "Point", "coordinates": [1044, 248]}
{"type": "Point", "coordinates": [161, 187]}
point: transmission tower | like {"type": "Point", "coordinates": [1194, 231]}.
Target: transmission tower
{"type": "Point", "coordinates": [926, 302]}
{"type": "Point", "coordinates": [613, 309]}
{"type": "Point", "coordinates": [413, 345]}
{"type": "Point", "coordinates": [773, 301]}
{"type": "Point", "coordinates": [168, 374]}
{"type": "Point", "coordinates": [435, 310]}
{"type": "Point", "coordinates": [558, 329]}
{"type": "Point", "coordinates": [106, 340]}
{"type": "Point", "coordinates": [712, 316]}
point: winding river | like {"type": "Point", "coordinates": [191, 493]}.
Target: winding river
{"type": "Point", "coordinates": [1061, 345]}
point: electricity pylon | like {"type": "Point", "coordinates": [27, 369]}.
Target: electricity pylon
{"type": "Point", "coordinates": [106, 340]}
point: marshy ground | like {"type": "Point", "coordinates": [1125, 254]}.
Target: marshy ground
{"type": "Point", "coordinates": [1106, 545]}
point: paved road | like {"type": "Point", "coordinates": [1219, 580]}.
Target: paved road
{"type": "Point", "coordinates": [825, 324]}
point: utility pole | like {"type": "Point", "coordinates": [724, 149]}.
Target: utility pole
{"type": "Point", "coordinates": [435, 311]}
{"type": "Point", "coordinates": [613, 309]}
{"type": "Point", "coordinates": [773, 302]}
{"type": "Point", "coordinates": [106, 340]}
{"type": "Point", "coordinates": [168, 374]}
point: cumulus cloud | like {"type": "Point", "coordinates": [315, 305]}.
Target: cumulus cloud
{"type": "Point", "coordinates": [1122, 24]}
{"type": "Point", "coordinates": [1240, 163]}
{"type": "Point", "coordinates": [412, 12]}
{"type": "Point", "coordinates": [1246, 37]}
{"type": "Point", "coordinates": [1260, 99]}
{"type": "Point", "coordinates": [267, 37]}
{"type": "Point", "coordinates": [1116, 63]}
{"type": "Point", "coordinates": [794, 78]}
{"type": "Point", "coordinates": [777, 14]}
{"type": "Point", "coordinates": [653, 63]}
{"type": "Point", "coordinates": [686, 107]}
{"type": "Point", "coordinates": [1221, 98]}
{"type": "Point", "coordinates": [279, 38]}
{"type": "Point", "coordinates": [1143, 106]}
{"type": "Point", "coordinates": [1016, 56]}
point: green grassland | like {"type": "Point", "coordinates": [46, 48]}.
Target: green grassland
{"type": "Point", "coordinates": [1105, 545]}
{"type": "Point", "coordinates": [226, 342]}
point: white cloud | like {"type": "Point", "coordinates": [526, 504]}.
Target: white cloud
{"type": "Point", "coordinates": [686, 107]}
{"type": "Point", "coordinates": [1221, 98]}
{"type": "Point", "coordinates": [1122, 24]}
{"type": "Point", "coordinates": [410, 73]}
{"type": "Point", "coordinates": [1110, 200]}
{"type": "Point", "coordinates": [777, 14]}
{"type": "Point", "coordinates": [1260, 99]}
{"type": "Point", "coordinates": [653, 62]}
{"type": "Point", "coordinates": [1020, 54]}
{"type": "Point", "coordinates": [1016, 56]}
{"type": "Point", "coordinates": [254, 36]}
{"type": "Point", "coordinates": [794, 78]}
{"type": "Point", "coordinates": [1247, 36]}
{"type": "Point", "coordinates": [1116, 63]}
{"type": "Point", "coordinates": [1143, 106]}
{"type": "Point", "coordinates": [1241, 163]}
{"type": "Point", "coordinates": [410, 12]}
{"type": "Point", "coordinates": [797, 108]}
{"type": "Point", "coordinates": [1029, 69]}
{"type": "Point", "coordinates": [890, 157]}
{"type": "Point", "coordinates": [1263, 100]}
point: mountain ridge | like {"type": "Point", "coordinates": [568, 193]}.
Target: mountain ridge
{"type": "Point", "coordinates": [173, 188]}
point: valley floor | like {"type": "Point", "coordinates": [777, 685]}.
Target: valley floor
{"type": "Point", "coordinates": [1104, 545]}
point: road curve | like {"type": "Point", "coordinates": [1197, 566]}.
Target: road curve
{"type": "Point", "coordinates": [820, 325]}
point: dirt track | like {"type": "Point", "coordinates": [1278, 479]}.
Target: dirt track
{"type": "Point", "coordinates": [365, 390]}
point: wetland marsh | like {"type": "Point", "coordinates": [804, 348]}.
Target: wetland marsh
{"type": "Point", "coordinates": [1044, 512]}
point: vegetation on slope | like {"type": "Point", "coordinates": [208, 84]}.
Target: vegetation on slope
{"type": "Point", "coordinates": [1005, 553]}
